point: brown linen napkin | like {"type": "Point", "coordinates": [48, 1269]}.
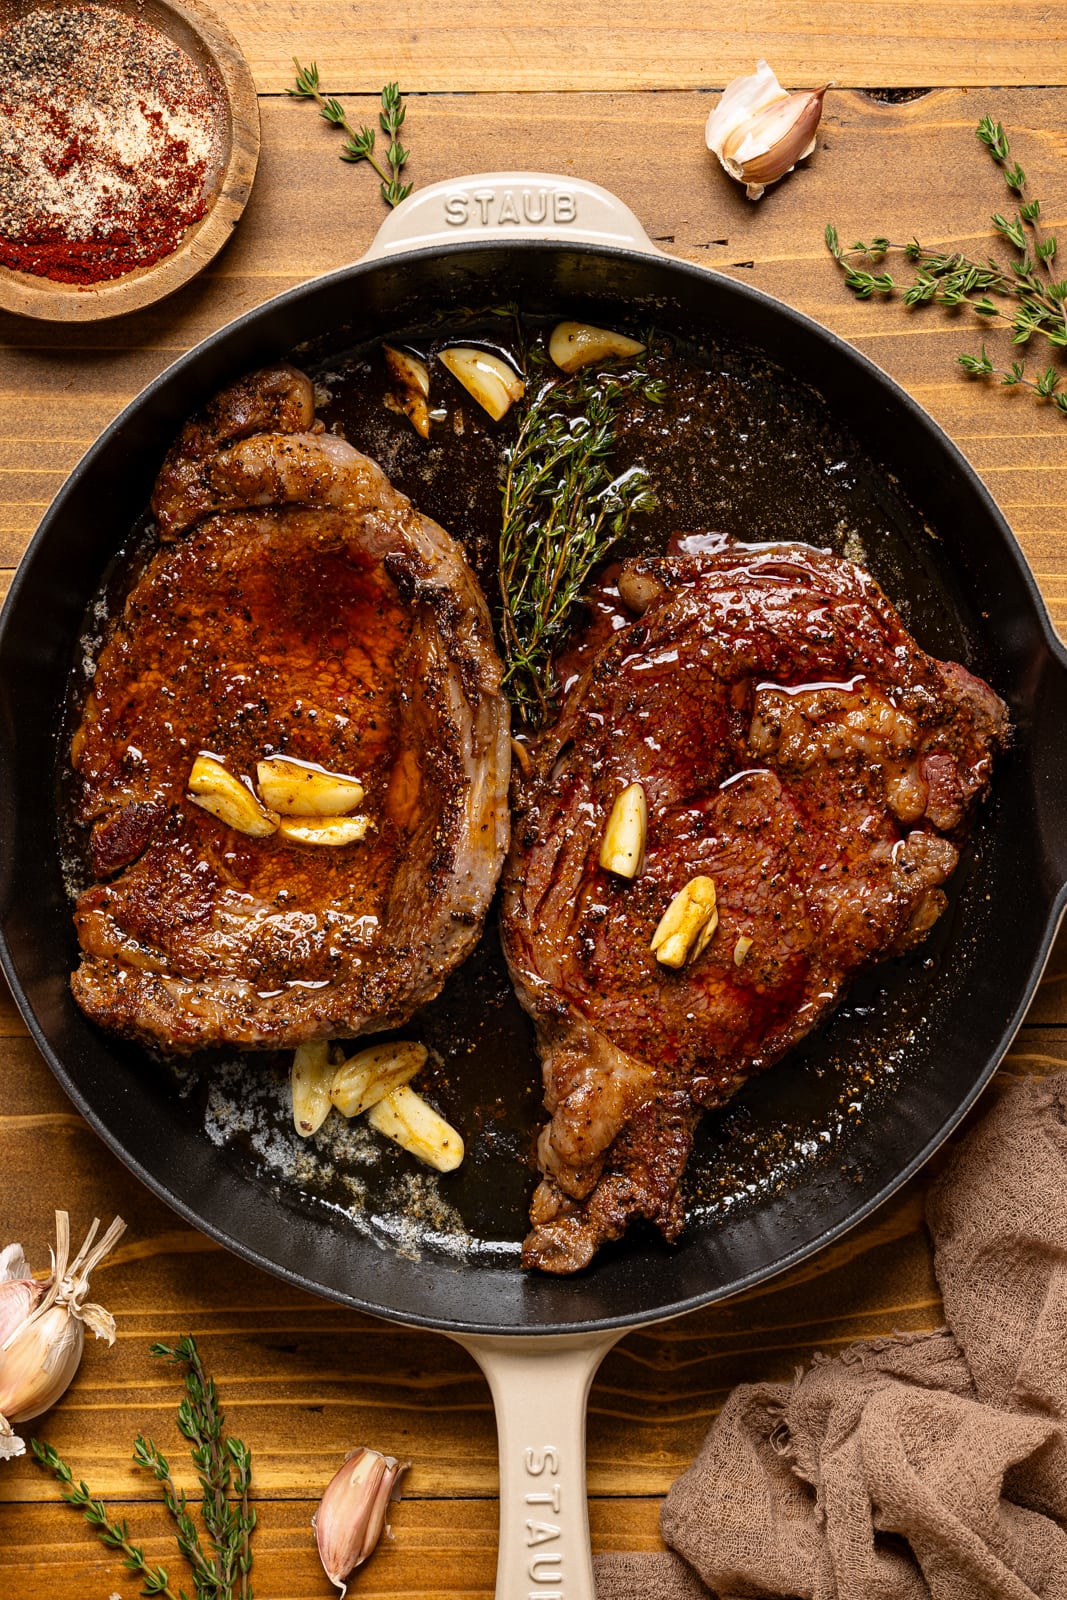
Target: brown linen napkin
{"type": "Point", "coordinates": [890, 1473]}
{"type": "Point", "coordinates": [999, 1220]}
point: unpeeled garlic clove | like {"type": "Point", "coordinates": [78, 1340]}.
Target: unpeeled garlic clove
{"type": "Point", "coordinates": [576, 344]}
{"type": "Point", "coordinates": [486, 377]}
{"type": "Point", "coordinates": [351, 1513]}
{"type": "Point", "coordinates": [302, 789]}
{"type": "Point", "coordinates": [412, 380]}
{"type": "Point", "coordinates": [215, 789]}
{"type": "Point", "coordinates": [759, 131]}
{"type": "Point", "coordinates": [40, 1355]}
{"type": "Point", "coordinates": [20, 1292]}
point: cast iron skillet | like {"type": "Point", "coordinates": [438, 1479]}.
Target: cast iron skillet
{"type": "Point", "coordinates": [546, 243]}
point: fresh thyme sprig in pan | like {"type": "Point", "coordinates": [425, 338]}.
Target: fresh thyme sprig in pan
{"type": "Point", "coordinates": [951, 279]}
{"type": "Point", "coordinates": [224, 1468]}
{"type": "Point", "coordinates": [563, 509]}
{"type": "Point", "coordinates": [359, 145]}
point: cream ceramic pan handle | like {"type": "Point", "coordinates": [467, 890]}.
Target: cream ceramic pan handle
{"type": "Point", "coordinates": [509, 205]}
{"type": "Point", "coordinates": [540, 1388]}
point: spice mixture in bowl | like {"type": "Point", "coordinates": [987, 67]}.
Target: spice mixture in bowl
{"type": "Point", "coordinates": [119, 128]}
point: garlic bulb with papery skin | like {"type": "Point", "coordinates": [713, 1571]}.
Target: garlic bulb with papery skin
{"type": "Point", "coordinates": [40, 1352]}
{"type": "Point", "coordinates": [351, 1514]}
{"type": "Point", "coordinates": [759, 131]}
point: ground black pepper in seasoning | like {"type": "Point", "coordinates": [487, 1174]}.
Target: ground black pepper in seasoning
{"type": "Point", "coordinates": [109, 139]}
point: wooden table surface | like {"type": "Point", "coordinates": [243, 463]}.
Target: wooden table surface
{"type": "Point", "coordinates": [616, 93]}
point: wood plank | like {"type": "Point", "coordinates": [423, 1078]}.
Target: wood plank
{"type": "Point", "coordinates": [311, 213]}
{"type": "Point", "coordinates": [52, 1552]}
{"type": "Point", "coordinates": [488, 46]}
{"type": "Point", "coordinates": [304, 1380]}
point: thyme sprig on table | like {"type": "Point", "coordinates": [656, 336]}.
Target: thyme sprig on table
{"type": "Point", "coordinates": [224, 1469]}
{"type": "Point", "coordinates": [951, 279]}
{"type": "Point", "coordinates": [563, 509]}
{"type": "Point", "coordinates": [359, 143]}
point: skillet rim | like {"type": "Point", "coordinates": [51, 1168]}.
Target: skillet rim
{"type": "Point", "coordinates": [211, 351]}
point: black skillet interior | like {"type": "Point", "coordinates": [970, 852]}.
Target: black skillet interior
{"type": "Point", "coordinates": [913, 1048]}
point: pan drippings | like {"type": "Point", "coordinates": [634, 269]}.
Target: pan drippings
{"type": "Point", "coordinates": [737, 446]}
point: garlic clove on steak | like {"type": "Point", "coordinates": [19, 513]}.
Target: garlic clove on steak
{"type": "Point", "coordinates": [406, 1118]}
{"type": "Point", "coordinates": [686, 927]}
{"type": "Point", "coordinates": [214, 789]}
{"type": "Point", "coordinates": [576, 344]}
{"type": "Point", "coordinates": [622, 849]}
{"type": "Point", "coordinates": [301, 789]}
{"type": "Point", "coordinates": [487, 378]}
{"type": "Point", "coordinates": [365, 1078]}
{"type": "Point", "coordinates": [412, 388]}
{"type": "Point", "coordinates": [310, 1077]}
{"type": "Point", "coordinates": [329, 830]}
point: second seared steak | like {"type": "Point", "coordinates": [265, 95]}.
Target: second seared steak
{"type": "Point", "coordinates": [297, 606]}
{"type": "Point", "coordinates": [795, 746]}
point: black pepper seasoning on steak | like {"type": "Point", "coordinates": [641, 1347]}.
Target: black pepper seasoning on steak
{"type": "Point", "coordinates": [797, 747]}
{"type": "Point", "coordinates": [298, 606]}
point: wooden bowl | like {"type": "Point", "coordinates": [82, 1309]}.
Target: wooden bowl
{"type": "Point", "coordinates": [209, 43]}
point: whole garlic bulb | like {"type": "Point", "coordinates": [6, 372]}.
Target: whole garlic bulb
{"type": "Point", "coordinates": [759, 131]}
{"type": "Point", "coordinates": [42, 1326]}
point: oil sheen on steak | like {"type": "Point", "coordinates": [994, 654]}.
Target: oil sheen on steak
{"type": "Point", "coordinates": [796, 746]}
{"type": "Point", "coordinates": [299, 606]}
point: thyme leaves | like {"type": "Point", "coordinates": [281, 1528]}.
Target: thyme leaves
{"type": "Point", "coordinates": [1025, 294]}
{"type": "Point", "coordinates": [563, 509]}
{"type": "Point", "coordinates": [360, 142]}
{"type": "Point", "coordinates": [222, 1569]}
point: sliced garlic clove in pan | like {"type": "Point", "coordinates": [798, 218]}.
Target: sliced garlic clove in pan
{"type": "Point", "coordinates": [578, 344]}
{"type": "Point", "coordinates": [487, 378]}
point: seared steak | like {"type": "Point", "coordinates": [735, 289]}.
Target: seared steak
{"type": "Point", "coordinates": [796, 747]}
{"type": "Point", "coordinates": [297, 606]}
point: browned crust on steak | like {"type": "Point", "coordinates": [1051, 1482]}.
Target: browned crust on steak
{"type": "Point", "coordinates": [327, 621]}
{"type": "Point", "coordinates": [796, 746]}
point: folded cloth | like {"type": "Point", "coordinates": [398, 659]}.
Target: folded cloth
{"type": "Point", "coordinates": [924, 1467]}
{"type": "Point", "coordinates": [998, 1216]}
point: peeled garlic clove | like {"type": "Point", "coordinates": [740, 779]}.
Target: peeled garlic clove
{"type": "Point", "coordinates": [487, 378]}
{"type": "Point", "coordinates": [310, 1077]}
{"type": "Point", "coordinates": [333, 831]}
{"type": "Point", "coordinates": [368, 1077]}
{"type": "Point", "coordinates": [685, 928]}
{"type": "Point", "coordinates": [622, 849]}
{"type": "Point", "coordinates": [351, 1513]}
{"type": "Point", "coordinates": [759, 131]}
{"type": "Point", "coordinates": [576, 344]}
{"type": "Point", "coordinates": [412, 380]}
{"type": "Point", "coordinates": [218, 791]}
{"type": "Point", "coordinates": [405, 1117]}
{"type": "Point", "coordinates": [301, 789]}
